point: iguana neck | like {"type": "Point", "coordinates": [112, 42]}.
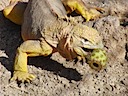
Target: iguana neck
{"type": "Point", "coordinates": [59, 35]}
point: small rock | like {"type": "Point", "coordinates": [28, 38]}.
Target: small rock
{"type": "Point", "coordinates": [3, 54]}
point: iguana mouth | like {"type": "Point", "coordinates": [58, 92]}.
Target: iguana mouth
{"type": "Point", "coordinates": [87, 50]}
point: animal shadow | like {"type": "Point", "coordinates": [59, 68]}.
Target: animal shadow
{"type": "Point", "coordinates": [50, 65]}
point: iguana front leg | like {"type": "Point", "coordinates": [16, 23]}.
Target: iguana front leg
{"type": "Point", "coordinates": [28, 49]}
{"type": "Point", "coordinates": [81, 8]}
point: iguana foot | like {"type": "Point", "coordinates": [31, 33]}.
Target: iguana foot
{"type": "Point", "coordinates": [22, 76]}
{"type": "Point", "coordinates": [86, 11]}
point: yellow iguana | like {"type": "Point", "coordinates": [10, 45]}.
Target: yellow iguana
{"type": "Point", "coordinates": [46, 27]}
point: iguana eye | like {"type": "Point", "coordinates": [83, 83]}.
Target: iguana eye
{"type": "Point", "coordinates": [84, 41]}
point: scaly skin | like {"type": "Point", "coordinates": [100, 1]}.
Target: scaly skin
{"type": "Point", "coordinates": [69, 38]}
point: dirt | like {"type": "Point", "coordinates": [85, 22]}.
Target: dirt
{"type": "Point", "coordinates": [57, 77]}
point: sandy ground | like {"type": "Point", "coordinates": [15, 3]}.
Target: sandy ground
{"type": "Point", "coordinates": [57, 77]}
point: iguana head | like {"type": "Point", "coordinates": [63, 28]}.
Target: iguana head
{"type": "Point", "coordinates": [85, 39]}
{"type": "Point", "coordinates": [81, 40]}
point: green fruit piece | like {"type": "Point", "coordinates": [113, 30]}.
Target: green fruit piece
{"type": "Point", "coordinates": [98, 59]}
